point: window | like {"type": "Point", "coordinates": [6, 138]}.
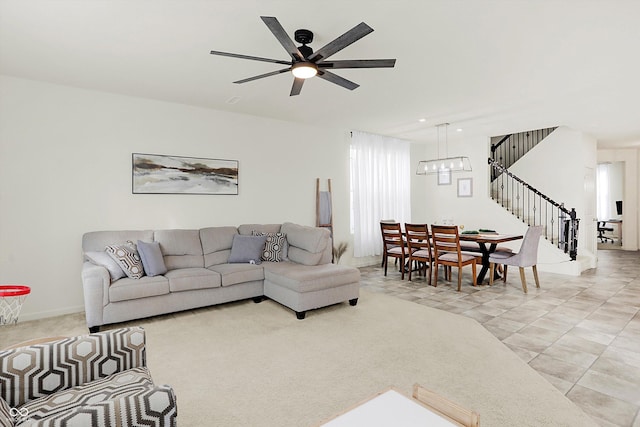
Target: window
{"type": "Point", "coordinates": [380, 188]}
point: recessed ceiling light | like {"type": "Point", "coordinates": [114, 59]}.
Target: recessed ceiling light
{"type": "Point", "coordinates": [459, 130]}
{"type": "Point", "coordinates": [422, 120]}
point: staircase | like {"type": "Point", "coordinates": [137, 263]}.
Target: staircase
{"type": "Point", "coordinates": [508, 149]}
{"type": "Point", "coordinates": [527, 203]}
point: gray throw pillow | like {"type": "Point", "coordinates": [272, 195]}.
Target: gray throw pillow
{"type": "Point", "coordinates": [247, 249]}
{"type": "Point", "coordinates": [152, 259]}
{"type": "Point", "coordinates": [103, 259]}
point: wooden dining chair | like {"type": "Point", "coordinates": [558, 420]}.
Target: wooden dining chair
{"type": "Point", "coordinates": [393, 245]}
{"type": "Point", "coordinates": [419, 245]}
{"type": "Point", "coordinates": [447, 252]}
{"type": "Point", "coordinates": [526, 257]}
{"type": "Point", "coordinates": [446, 408]}
{"type": "Point", "coordinates": [384, 255]}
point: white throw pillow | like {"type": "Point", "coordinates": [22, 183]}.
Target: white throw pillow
{"type": "Point", "coordinates": [103, 259]}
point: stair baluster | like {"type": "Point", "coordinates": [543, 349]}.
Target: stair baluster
{"type": "Point", "coordinates": [511, 147]}
{"type": "Point", "coordinates": [534, 208]}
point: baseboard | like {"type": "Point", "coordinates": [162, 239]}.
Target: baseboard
{"type": "Point", "coordinates": [570, 268]}
{"type": "Point", "coordinates": [366, 261]}
{"type": "Point", "coordinates": [25, 317]}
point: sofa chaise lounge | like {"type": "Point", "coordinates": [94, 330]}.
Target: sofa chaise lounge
{"type": "Point", "coordinates": [207, 266]}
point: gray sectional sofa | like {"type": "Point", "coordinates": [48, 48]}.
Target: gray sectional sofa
{"type": "Point", "coordinates": [196, 272]}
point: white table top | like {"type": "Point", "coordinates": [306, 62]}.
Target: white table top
{"type": "Point", "coordinates": [390, 408]}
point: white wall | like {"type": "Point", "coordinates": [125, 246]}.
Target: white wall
{"type": "Point", "coordinates": [65, 169]}
{"type": "Point", "coordinates": [418, 184]}
{"type": "Point", "coordinates": [441, 202]}
{"type": "Point", "coordinates": [556, 167]}
{"type": "Point", "coordinates": [631, 199]}
{"type": "Point", "coordinates": [616, 190]}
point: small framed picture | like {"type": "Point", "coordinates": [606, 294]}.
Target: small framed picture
{"type": "Point", "coordinates": [444, 176]}
{"type": "Point", "coordinates": [465, 187]}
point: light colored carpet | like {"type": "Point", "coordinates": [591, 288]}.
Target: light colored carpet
{"type": "Point", "coordinates": [247, 364]}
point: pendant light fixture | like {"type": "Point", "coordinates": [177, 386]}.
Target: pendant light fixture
{"type": "Point", "coordinates": [444, 164]}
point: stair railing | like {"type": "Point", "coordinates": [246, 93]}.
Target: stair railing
{"type": "Point", "coordinates": [511, 147]}
{"type": "Point", "coordinates": [560, 225]}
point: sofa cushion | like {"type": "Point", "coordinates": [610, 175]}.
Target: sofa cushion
{"type": "Point", "coordinates": [247, 249]}
{"type": "Point", "coordinates": [185, 279]}
{"type": "Point", "coordinates": [181, 248]}
{"type": "Point", "coordinates": [311, 239]}
{"type": "Point", "coordinates": [127, 258]}
{"type": "Point", "coordinates": [307, 245]}
{"type": "Point", "coordinates": [216, 244]}
{"type": "Point", "coordinates": [151, 257]}
{"type": "Point", "coordinates": [273, 247]}
{"type": "Point", "coordinates": [104, 259]}
{"type": "Point", "coordinates": [56, 406]}
{"type": "Point", "coordinates": [302, 278]}
{"type": "Point", "coordinates": [128, 289]}
{"type": "Point", "coordinates": [238, 273]}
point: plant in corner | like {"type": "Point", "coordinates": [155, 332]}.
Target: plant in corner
{"type": "Point", "coordinates": [338, 251]}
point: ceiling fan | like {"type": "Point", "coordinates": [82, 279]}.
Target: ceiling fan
{"type": "Point", "coordinates": [306, 63]}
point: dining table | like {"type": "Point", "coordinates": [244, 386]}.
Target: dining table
{"type": "Point", "coordinates": [488, 243]}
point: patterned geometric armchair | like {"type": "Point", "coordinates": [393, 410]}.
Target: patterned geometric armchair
{"type": "Point", "coordinates": [91, 380]}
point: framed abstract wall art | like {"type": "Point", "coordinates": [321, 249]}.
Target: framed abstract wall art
{"type": "Point", "coordinates": [465, 187]}
{"type": "Point", "coordinates": [444, 176]}
{"type": "Point", "coordinates": [160, 174]}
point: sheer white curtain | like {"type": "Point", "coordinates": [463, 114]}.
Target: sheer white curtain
{"type": "Point", "coordinates": [381, 187]}
{"type": "Point", "coordinates": [603, 191]}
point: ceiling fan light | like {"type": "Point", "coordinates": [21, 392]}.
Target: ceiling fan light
{"type": "Point", "coordinates": [304, 70]}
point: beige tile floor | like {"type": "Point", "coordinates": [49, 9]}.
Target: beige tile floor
{"type": "Point", "coordinates": [581, 333]}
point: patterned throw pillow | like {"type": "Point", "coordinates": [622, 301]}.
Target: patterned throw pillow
{"type": "Point", "coordinates": [273, 248]}
{"type": "Point", "coordinates": [127, 258]}
{"type": "Point", "coordinates": [6, 420]}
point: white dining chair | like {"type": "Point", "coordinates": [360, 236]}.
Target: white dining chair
{"type": "Point", "coordinates": [526, 257]}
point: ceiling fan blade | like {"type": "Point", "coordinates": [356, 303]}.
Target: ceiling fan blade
{"type": "Point", "coordinates": [358, 63]}
{"type": "Point", "coordinates": [351, 36]}
{"type": "Point", "coordinates": [297, 86]}
{"type": "Point", "coordinates": [340, 81]}
{"type": "Point", "coordinates": [272, 73]}
{"type": "Point", "coordinates": [254, 58]}
{"type": "Point", "coordinates": [283, 37]}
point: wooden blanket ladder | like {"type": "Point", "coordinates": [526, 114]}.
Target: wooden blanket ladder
{"type": "Point", "coordinates": [324, 211]}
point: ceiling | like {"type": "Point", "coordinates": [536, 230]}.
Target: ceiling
{"type": "Point", "coordinates": [488, 67]}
